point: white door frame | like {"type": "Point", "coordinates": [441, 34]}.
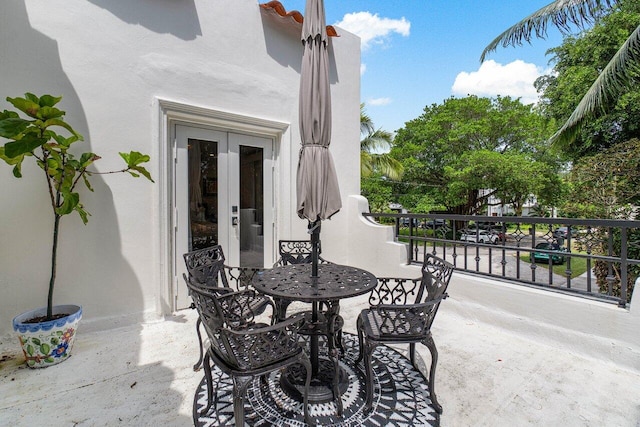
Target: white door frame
{"type": "Point", "coordinates": [171, 113]}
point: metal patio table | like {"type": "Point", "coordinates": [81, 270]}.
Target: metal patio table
{"type": "Point", "coordinates": [334, 282]}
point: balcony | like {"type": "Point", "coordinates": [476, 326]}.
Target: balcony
{"type": "Point", "coordinates": [496, 366]}
{"type": "Point", "coordinates": [556, 254]}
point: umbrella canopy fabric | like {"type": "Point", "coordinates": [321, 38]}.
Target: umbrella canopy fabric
{"type": "Point", "coordinates": [317, 184]}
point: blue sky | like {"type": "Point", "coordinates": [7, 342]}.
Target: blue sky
{"type": "Point", "coordinates": [419, 52]}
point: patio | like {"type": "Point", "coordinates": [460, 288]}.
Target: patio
{"type": "Point", "coordinates": [487, 374]}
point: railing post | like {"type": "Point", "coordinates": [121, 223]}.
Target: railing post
{"type": "Point", "coordinates": [623, 267]}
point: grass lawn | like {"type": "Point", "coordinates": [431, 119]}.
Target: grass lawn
{"type": "Point", "coordinates": [578, 266]}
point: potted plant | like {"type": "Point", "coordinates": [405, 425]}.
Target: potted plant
{"type": "Point", "coordinates": [46, 334]}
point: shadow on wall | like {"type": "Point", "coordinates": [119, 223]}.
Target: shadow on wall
{"type": "Point", "coordinates": [91, 269]}
{"type": "Point", "coordinates": [176, 17]}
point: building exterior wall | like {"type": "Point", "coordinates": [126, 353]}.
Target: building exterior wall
{"type": "Point", "coordinates": [114, 63]}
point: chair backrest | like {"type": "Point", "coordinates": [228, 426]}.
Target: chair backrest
{"type": "Point", "coordinates": [206, 267]}
{"type": "Point", "coordinates": [295, 252]}
{"type": "Point", "coordinates": [436, 274]}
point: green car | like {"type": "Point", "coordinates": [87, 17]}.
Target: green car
{"type": "Point", "coordinates": [544, 257]}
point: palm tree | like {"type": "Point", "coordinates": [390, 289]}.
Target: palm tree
{"type": "Point", "coordinates": [375, 141]}
{"type": "Point", "coordinates": [611, 81]}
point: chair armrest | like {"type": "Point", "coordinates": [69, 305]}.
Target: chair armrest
{"type": "Point", "coordinates": [413, 320]}
{"type": "Point", "coordinates": [241, 277]}
{"type": "Point", "coordinates": [240, 308]}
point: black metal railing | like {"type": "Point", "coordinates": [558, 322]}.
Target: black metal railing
{"type": "Point", "coordinates": [588, 257]}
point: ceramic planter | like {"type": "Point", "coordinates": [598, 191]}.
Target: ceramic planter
{"type": "Point", "coordinates": [47, 343]}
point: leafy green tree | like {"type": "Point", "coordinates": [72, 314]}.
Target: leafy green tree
{"type": "Point", "coordinates": [374, 147]}
{"type": "Point", "coordinates": [464, 145]}
{"type": "Point", "coordinates": [378, 191]}
{"type": "Point", "coordinates": [578, 61]}
{"type": "Point", "coordinates": [514, 177]}
{"type": "Point", "coordinates": [607, 184]}
{"type": "Point", "coordinates": [614, 74]}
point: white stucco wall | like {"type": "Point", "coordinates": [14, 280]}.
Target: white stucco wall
{"type": "Point", "coordinates": [112, 61]}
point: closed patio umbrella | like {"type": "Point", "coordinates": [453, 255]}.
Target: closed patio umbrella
{"type": "Point", "coordinates": [317, 184]}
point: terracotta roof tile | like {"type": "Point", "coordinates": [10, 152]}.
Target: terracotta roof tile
{"type": "Point", "coordinates": [294, 15]}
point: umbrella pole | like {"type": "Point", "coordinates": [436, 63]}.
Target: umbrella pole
{"type": "Point", "coordinates": [314, 229]}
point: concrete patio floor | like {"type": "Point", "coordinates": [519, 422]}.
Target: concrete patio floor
{"type": "Point", "coordinates": [487, 376]}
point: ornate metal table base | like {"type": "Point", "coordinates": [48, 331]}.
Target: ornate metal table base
{"type": "Point", "coordinates": [321, 390]}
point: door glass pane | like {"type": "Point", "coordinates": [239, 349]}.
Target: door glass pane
{"type": "Point", "coordinates": [203, 193]}
{"type": "Point", "coordinates": [251, 207]}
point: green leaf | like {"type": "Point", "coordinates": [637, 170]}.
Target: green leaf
{"type": "Point", "coordinates": [25, 145]}
{"type": "Point", "coordinates": [49, 101]}
{"type": "Point", "coordinates": [6, 114]}
{"type": "Point", "coordinates": [16, 161]}
{"type": "Point", "coordinates": [133, 160]}
{"type": "Point", "coordinates": [12, 127]}
{"type": "Point", "coordinates": [86, 182]}
{"type": "Point", "coordinates": [30, 350]}
{"type": "Point", "coordinates": [84, 215]}
{"type": "Point", "coordinates": [62, 123]}
{"type": "Point", "coordinates": [86, 159]}
{"type": "Point", "coordinates": [69, 203]}
{"type": "Point", "coordinates": [36, 341]}
{"type": "Point", "coordinates": [28, 107]}
{"type": "Point", "coordinates": [45, 348]}
{"type": "Point", "coordinates": [31, 97]}
{"type": "Point", "coordinates": [49, 360]}
{"type": "Point", "coordinates": [47, 113]}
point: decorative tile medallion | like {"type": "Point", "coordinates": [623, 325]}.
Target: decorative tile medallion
{"type": "Point", "coordinates": [401, 397]}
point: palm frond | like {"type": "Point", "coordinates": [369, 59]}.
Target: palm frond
{"type": "Point", "coordinates": [366, 124]}
{"type": "Point", "coordinates": [380, 140]}
{"type": "Point", "coordinates": [613, 80]}
{"type": "Point", "coordinates": [561, 13]}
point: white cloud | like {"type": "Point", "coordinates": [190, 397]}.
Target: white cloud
{"type": "Point", "coordinates": [363, 68]}
{"type": "Point", "coordinates": [514, 79]}
{"type": "Point", "coordinates": [379, 101]}
{"type": "Point", "coordinates": [372, 29]}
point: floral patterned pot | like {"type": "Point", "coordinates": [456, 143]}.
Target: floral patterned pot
{"type": "Point", "coordinates": [47, 343]}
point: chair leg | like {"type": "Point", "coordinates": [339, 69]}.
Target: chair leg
{"type": "Point", "coordinates": [432, 372]}
{"type": "Point", "coordinates": [368, 353]}
{"type": "Point", "coordinates": [334, 355]}
{"type": "Point", "coordinates": [412, 355]}
{"type": "Point", "coordinates": [360, 340]}
{"type": "Point", "coordinates": [198, 364]}
{"type": "Point", "coordinates": [240, 385]}
{"type": "Point", "coordinates": [305, 398]}
{"type": "Point", "coordinates": [209, 380]}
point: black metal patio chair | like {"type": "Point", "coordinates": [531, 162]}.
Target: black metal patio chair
{"type": "Point", "coordinates": [245, 353]}
{"type": "Point", "coordinates": [402, 312]}
{"type": "Point", "coordinates": [296, 252]}
{"type": "Point", "coordinates": [206, 268]}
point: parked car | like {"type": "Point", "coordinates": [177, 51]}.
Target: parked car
{"type": "Point", "coordinates": [434, 223]}
{"type": "Point", "coordinates": [404, 222]}
{"type": "Point", "coordinates": [563, 232]}
{"type": "Point", "coordinates": [479, 236]}
{"type": "Point", "coordinates": [501, 236]}
{"type": "Point", "coordinates": [544, 257]}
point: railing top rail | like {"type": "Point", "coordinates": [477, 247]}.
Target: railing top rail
{"type": "Point", "coordinates": [513, 219]}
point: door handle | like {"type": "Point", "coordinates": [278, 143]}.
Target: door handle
{"type": "Point", "coordinates": [234, 221]}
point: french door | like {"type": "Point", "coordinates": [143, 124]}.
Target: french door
{"type": "Point", "coordinates": [222, 196]}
